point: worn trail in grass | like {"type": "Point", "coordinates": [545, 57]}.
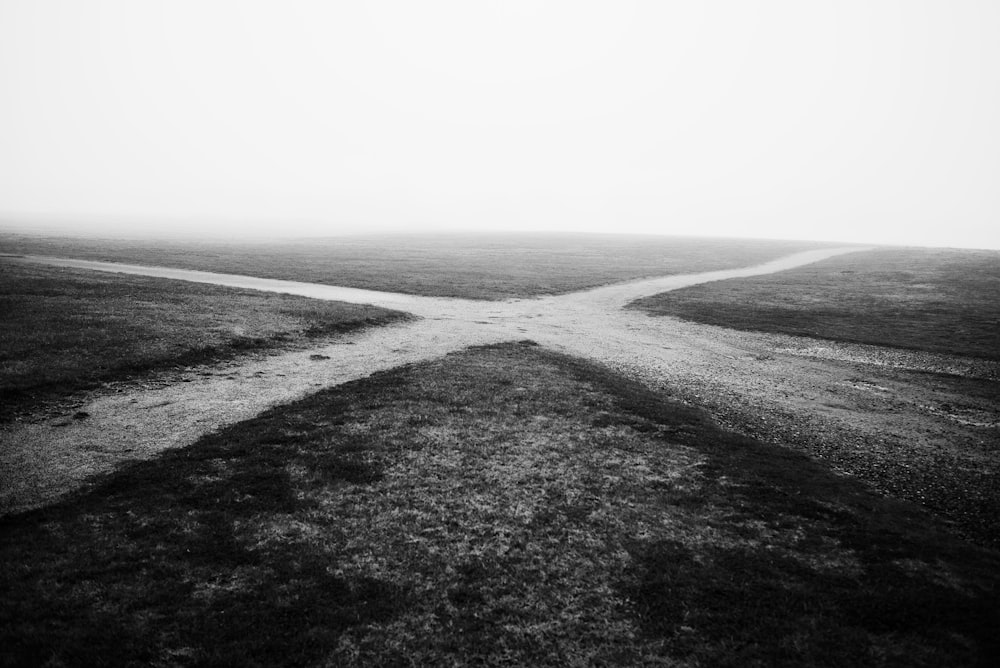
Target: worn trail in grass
{"type": "Point", "coordinates": [504, 504]}
{"type": "Point", "coordinates": [938, 300]}
{"type": "Point", "coordinates": [64, 330]}
{"type": "Point", "coordinates": [41, 459]}
{"type": "Point", "coordinates": [920, 427]}
{"type": "Point", "coordinates": [478, 266]}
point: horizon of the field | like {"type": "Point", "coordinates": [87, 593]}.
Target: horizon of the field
{"type": "Point", "coordinates": [155, 229]}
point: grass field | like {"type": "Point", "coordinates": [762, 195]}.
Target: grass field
{"type": "Point", "coordinates": [503, 504]}
{"type": "Point", "coordinates": [936, 300]}
{"type": "Point", "coordinates": [63, 330]}
{"type": "Point", "coordinates": [476, 267]}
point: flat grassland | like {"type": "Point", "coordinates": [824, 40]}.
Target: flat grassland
{"type": "Point", "coordinates": [64, 330]}
{"type": "Point", "coordinates": [495, 266]}
{"type": "Point", "coordinates": [503, 504]}
{"type": "Point", "coordinates": [936, 300]}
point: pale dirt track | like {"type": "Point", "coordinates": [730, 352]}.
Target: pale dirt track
{"type": "Point", "coordinates": [847, 403]}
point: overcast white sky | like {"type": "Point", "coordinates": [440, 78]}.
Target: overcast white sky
{"type": "Point", "coordinates": [868, 120]}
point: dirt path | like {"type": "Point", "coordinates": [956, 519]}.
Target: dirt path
{"type": "Point", "coordinates": [850, 404]}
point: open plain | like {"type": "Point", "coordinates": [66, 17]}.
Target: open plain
{"type": "Point", "coordinates": [903, 470]}
{"type": "Point", "coordinates": [471, 266]}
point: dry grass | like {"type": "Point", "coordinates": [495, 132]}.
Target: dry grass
{"type": "Point", "coordinates": [63, 330]}
{"type": "Point", "coordinates": [504, 505]}
{"type": "Point", "coordinates": [936, 300]}
{"type": "Point", "coordinates": [494, 266]}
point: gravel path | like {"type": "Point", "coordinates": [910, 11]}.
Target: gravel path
{"type": "Point", "coordinates": [859, 407]}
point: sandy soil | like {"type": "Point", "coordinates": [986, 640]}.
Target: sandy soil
{"type": "Point", "coordinates": [889, 417]}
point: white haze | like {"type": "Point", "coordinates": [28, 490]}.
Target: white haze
{"type": "Point", "coordinates": [872, 120]}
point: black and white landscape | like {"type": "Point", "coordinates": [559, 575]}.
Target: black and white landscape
{"type": "Point", "coordinates": [499, 333]}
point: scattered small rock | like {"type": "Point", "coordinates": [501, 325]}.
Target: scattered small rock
{"type": "Point", "coordinates": [317, 356]}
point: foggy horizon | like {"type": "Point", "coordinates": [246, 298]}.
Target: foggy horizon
{"type": "Point", "coordinates": [854, 122]}
{"type": "Point", "coordinates": [169, 231]}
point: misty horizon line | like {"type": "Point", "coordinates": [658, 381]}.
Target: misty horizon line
{"type": "Point", "coordinates": [59, 226]}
